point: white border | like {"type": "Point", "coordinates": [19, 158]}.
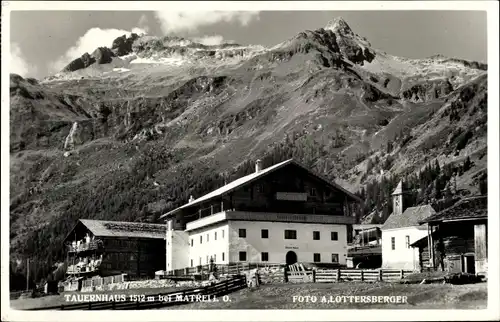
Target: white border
{"type": "Point", "coordinates": [271, 315]}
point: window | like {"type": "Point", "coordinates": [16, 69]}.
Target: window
{"type": "Point", "coordinates": [201, 239]}
{"type": "Point", "coordinates": [215, 257]}
{"type": "Point", "coordinates": [222, 233]}
{"type": "Point", "coordinates": [215, 235]}
{"type": "Point", "coordinates": [200, 260]}
{"type": "Point", "coordinates": [335, 235]}
{"type": "Point", "coordinates": [242, 233]}
{"type": "Point", "coordinates": [208, 259]}
{"type": "Point", "coordinates": [335, 258]}
{"type": "Point", "coordinates": [207, 237]}
{"type": "Point", "coordinates": [393, 243]}
{"type": "Point", "coordinates": [290, 234]}
{"type": "Point", "coordinates": [317, 257]}
{"type": "Point", "coordinates": [264, 257]}
{"type": "Point", "coordinates": [243, 256]}
{"type": "Point", "coordinates": [192, 242]}
{"type": "Point", "coordinates": [191, 263]}
{"type": "Point", "coordinates": [313, 192]}
{"type": "Point", "coordinates": [264, 233]}
{"type": "Point", "coordinates": [407, 241]}
{"type": "Point", "coordinates": [222, 256]}
{"type": "Point", "coordinates": [315, 235]}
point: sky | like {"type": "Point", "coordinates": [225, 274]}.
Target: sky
{"type": "Point", "coordinates": [43, 42]}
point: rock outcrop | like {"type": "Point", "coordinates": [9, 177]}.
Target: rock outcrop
{"type": "Point", "coordinates": [103, 55]}
{"type": "Point", "coordinates": [83, 62]}
{"type": "Point", "coordinates": [123, 45]}
{"type": "Point", "coordinates": [353, 47]}
{"type": "Point", "coordinates": [425, 91]}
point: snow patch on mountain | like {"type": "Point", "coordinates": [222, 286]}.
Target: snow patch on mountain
{"type": "Point", "coordinates": [172, 61]}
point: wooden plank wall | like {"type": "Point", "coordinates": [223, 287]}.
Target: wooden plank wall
{"type": "Point", "coordinates": [481, 248]}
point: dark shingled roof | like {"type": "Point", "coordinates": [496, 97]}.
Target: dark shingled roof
{"type": "Point", "coordinates": [102, 228]}
{"type": "Point", "coordinates": [410, 217]}
{"type": "Point", "coordinates": [468, 208]}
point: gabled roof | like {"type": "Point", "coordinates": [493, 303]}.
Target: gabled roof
{"type": "Point", "coordinates": [103, 228]}
{"type": "Point", "coordinates": [422, 242]}
{"type": "Point", "coordinates": [469, 208]}
{"type": "Point", "coordinates": [409, 218]}
{"type": "Point", "coordinates": [252, 177]}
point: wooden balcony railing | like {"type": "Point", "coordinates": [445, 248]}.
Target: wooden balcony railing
{"type": "Point", "coordinates": [87, 268]}
{"type": "Point", "coordinates": [93, 245]}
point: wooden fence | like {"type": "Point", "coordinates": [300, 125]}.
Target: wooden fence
{"type": "Point", "coordinates": [230, 269]}
{"type": "Point", "coordinates": [159, 300]}
{"type": "Point", "coordinates": [339, 275]}
{"type": "Point", "coordinates": [99, 281]}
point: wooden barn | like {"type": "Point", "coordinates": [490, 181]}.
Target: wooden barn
{"type": "Point", "coordinates": [105, 248]}
{"type": "Point", "coordinates": [457, 237]}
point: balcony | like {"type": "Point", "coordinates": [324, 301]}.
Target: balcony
{"type": "Point", "coordinates": [93, 245]}
{"type": "Point", "coordinates": [269, 216]}
{"type": "Point", "coordinates": [84, 268]}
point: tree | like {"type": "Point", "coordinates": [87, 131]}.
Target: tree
{"type": "Point", "coordinates": [389, 147]}
{"type": "Point", "coordinates": [483, 184]}
{"type": "Point", "coordinates": [467, 164]}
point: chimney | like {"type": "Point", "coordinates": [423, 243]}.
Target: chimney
{"type": "Point", "coordinates": [258, 165]}
{"type": "Point", "coordinates": [191, 199]}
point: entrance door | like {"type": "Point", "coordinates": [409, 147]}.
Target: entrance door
{"type": "Point", "coordinates": [469, 264]}
{"type": "Point", "coordinates": [291, 258]}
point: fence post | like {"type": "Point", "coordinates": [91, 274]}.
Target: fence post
{"type": "Point", "coordinates": [380, 274]}
{"type": "Point", "coordinates": [402, 274]}
{"type": "Point", "coordinates": [338, 274]}
{"type": "Point", "coordinates": [362, 276]}
{"type": "Point", "coordinates": [285, 277]}
{"type": "Point", "coordinates": [314, 276]}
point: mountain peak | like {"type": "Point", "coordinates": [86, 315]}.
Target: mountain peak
{"type": "Point", "coordinates": [339, 25]}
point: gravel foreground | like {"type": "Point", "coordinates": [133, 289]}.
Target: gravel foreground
{"type": "Point", "coordinates": [281, 296]}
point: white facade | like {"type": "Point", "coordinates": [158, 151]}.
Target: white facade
{"type": "Point", "coordinates": [208, 242]}
{"type": "Point", "coordinates": [396, 249]}
{"type": "Point", "coordinates": [177, 243]}
{"type": "Point", "coordinates": [222, 242]}
{"type": "Point", "coordinates": [277, 247]}
{"type": "Point", "coordinates": [402, 229]}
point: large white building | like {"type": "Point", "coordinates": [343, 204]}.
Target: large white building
{"type": "Point", "coordinates": [400, 230]}
{"type": "Point", "coordinates": [280, 214]}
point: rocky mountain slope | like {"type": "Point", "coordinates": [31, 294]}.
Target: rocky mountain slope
{"type": "Point", "coordinates": [131, 131]}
